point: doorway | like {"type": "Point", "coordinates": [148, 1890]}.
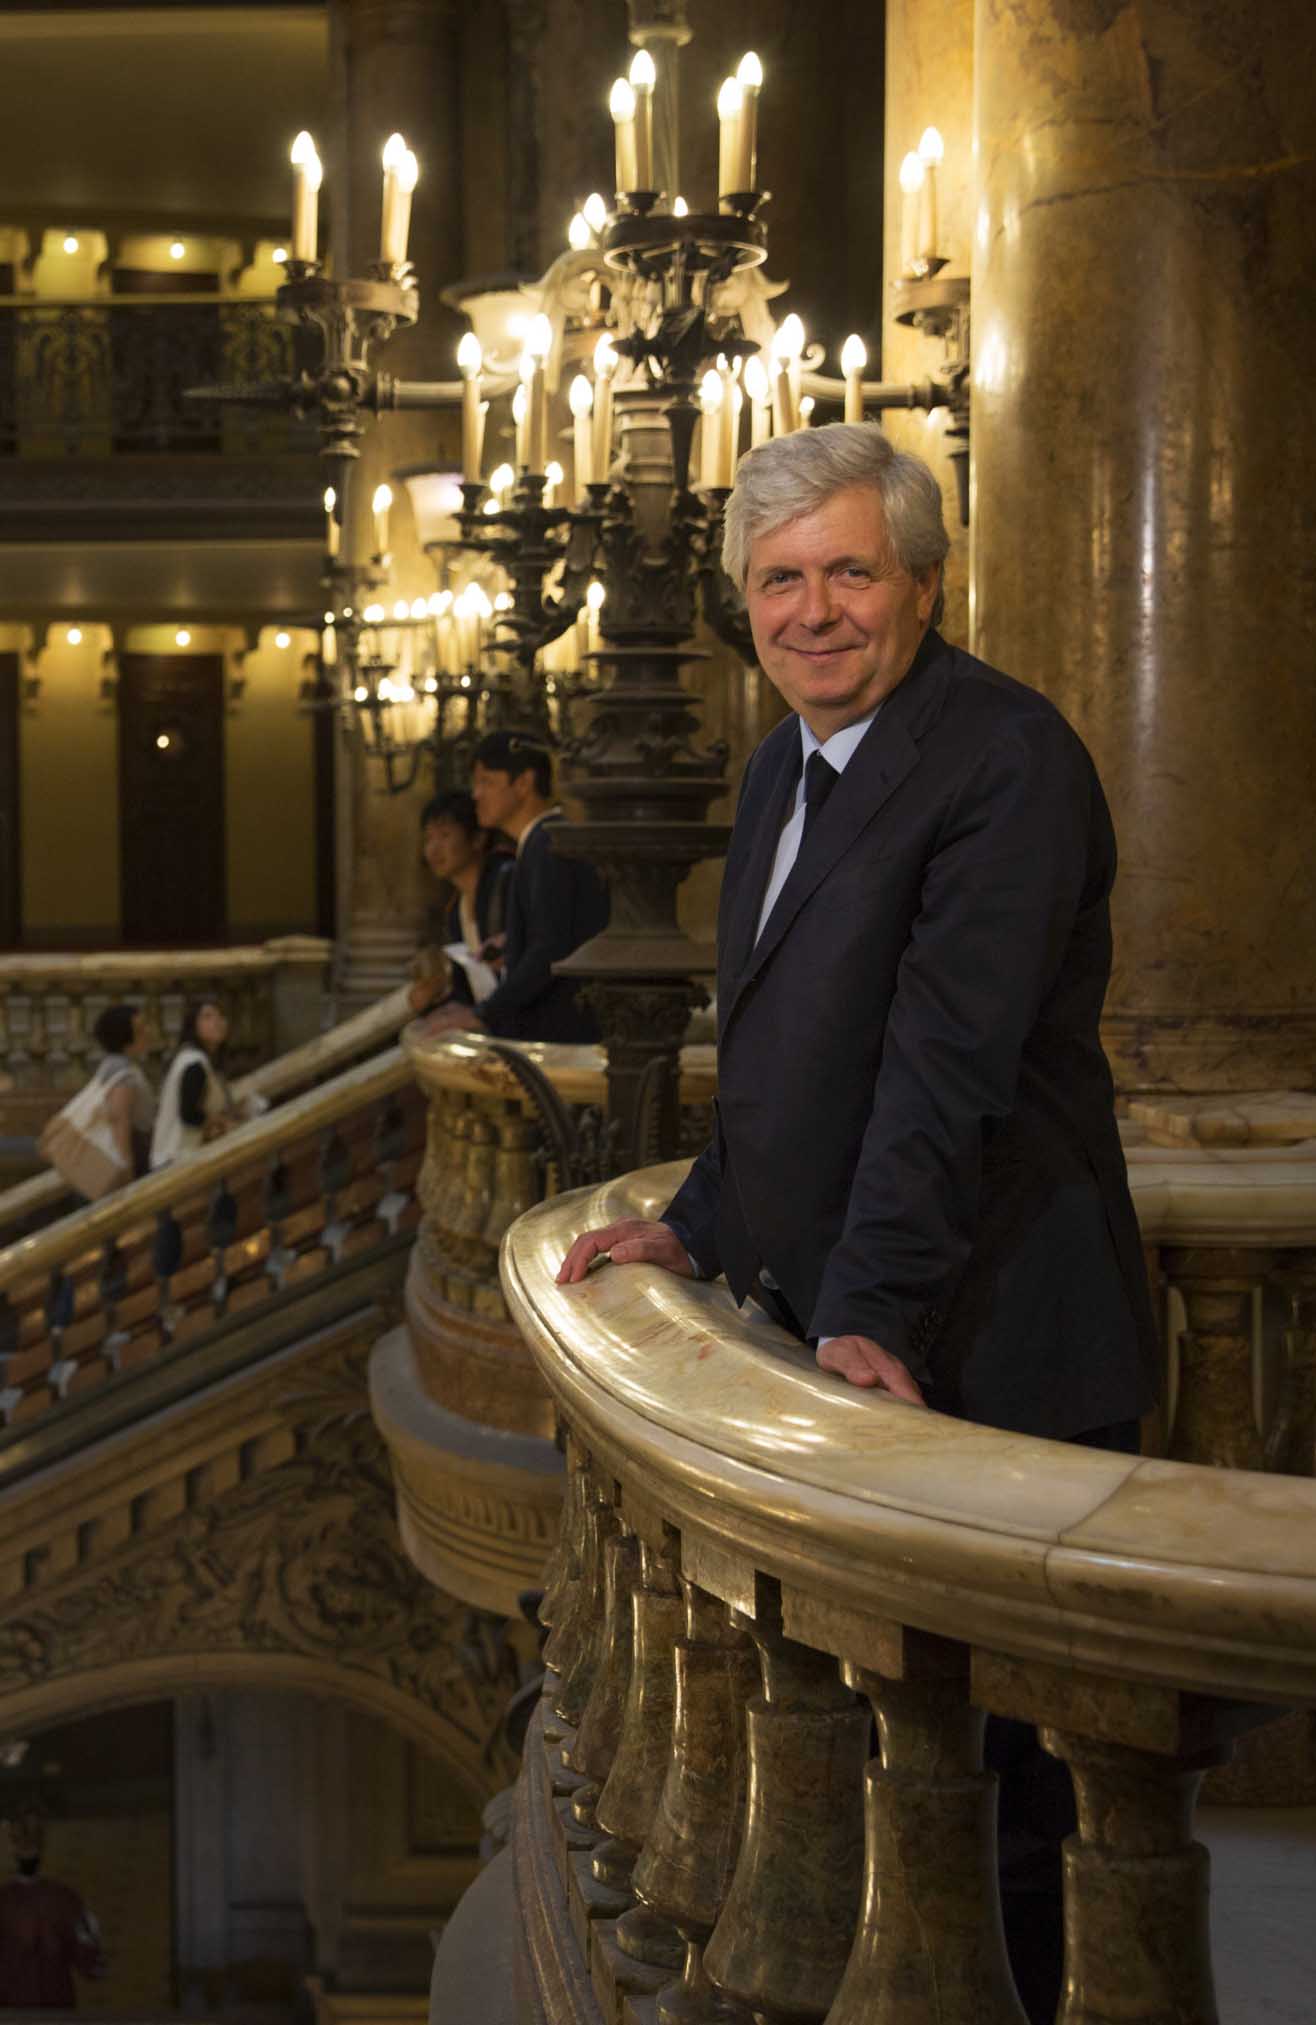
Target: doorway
{"type": "Point", "coordinates": [171, 799]}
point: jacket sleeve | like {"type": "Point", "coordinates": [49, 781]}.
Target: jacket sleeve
{"type": "Point", "coordinates": [548, 902]}
{"type": "Point", "coordinates": [192, 1094]}
{"type": "Point", "coordinates": [692, 1212]}
{"type": "Point", "coordinates": [1001, 893]}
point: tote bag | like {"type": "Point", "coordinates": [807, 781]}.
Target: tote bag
{"type": "Point", "coordinates": [80, 1145]}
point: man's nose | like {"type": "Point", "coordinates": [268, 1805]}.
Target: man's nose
{"type": "Point", "coordinates": [819, 608]}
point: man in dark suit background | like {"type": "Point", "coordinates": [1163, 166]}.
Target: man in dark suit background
{"type": "Point", "coordinates": [554, 904]}
{"type": "Point", "coordinates": [916, 1165]}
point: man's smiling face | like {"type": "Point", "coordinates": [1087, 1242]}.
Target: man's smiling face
{"type": "Point", "coordinates": [836, 619]}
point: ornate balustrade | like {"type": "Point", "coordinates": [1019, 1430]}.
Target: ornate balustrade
{"type": "Point", "coordinates": [467, 1417]}
{"type": "Point", "coordinates": [94, 377]}
{"type": "Point", "coordinates": [757, 1561]}
{"type": "Point", "coordinates": [273, 993]}
{"type": "Point", "coordinates": [102, 1314]}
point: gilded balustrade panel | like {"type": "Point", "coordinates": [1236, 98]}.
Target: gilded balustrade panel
{"type": "Point", "coordinates": [817, 1560]}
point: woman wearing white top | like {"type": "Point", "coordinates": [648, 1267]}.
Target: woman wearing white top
{"type": "Point", "coordinates": [196, 1103]}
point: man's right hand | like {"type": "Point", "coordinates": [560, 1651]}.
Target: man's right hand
{"type": "Point", "coordinates": [629, 1242]}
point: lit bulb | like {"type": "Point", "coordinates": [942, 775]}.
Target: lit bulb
{"type": "Point", "coordinates": [330, 499]}
{"type": "Point", "coordinates": [580, 395]}
{"type": "Point", "coordinates": [621, 100]}
{"type": "Point", "coordinates": [595, 212]}
{"type": "Point", "coordinates": [502, 479]}
{"type": "Point", "coordinates": [749, 72]}
{"type": "Point", "coordinates": [680, 209]}
{"type": "Point", "coordinates": [911, 174]}
{"type": "Point", "coordinates": [516, 324]}
{"type": "Point", "coordinates": [854, 354]}
{"type": "Point", "coordinates": [578, 233]}
{"type": "Point", "coordinates": [789, 340]}
{"type": "Point", "coordinates": [385, 690]}
{"type": "Point", "coordinates": [71, 242]}
{"type": "Point", "coordinates": [756, 380]}
{"type": "Point", "coordinates": [643, 71]}
{"type": "Point", "coordinates": [439, 603]}
{"type": "Point", "coordinates": [305, 158]}
{"type": "Point", "coordinates": [931, 147]}
{"type": "Point", "coordinates": [373, 614]}
{"type": "Point", "coordinates": [182, 638]}
{"type": "Point", "coordinates": [282, 640]}
{"type": "Point", "coordinates": [401, 609]}
{"type": "Point", "coordinates": [554, 474]}
{"type": "Point", "coordinates": [595, 595]}
{"type": "Point", "coordinates": [807, 405]}
{"type": "Point", "coordinates": [382, 499]}
{"type": "Point", "coordinates": [730, 100]}
{"type": "Point", "coordinates": [360, 693]}
{"type": "Point", "coordinates": [431, 685]}
{"type": "Point", "coordinates": [395, 149]}
{"type": "Point", "coordinates": [405, 693]}
{"type": "Point", "coordinates": [710, 392]}
{"type": "Point", "coordinates": [419, 608]}
{"type": "Point", "coordinates": [479, 601]}
{"type": "Point", "coordinates": [74, 636]}
{"type": "Point", "coordinates": [470, 356]}
{"type": "Point", "coordinates": [279, 255]}
{"type": "Point", "coordinates": [605, 357]}
{"type": "Point", "coordinates": [466, 681]}
{"type": "Point", "coordinates": [177, 250]}
{"type": "Point", "coordinates": [503, 602]}
{"type": "Point", "coordinates": [329, 618]}
{"type": "Point", "coordinates": [490, 506]}
{"type": "Point", "coordinates": [539, 336]}
{"type": "Point", "coordinates": [162, 742]}
{"type": "Point", "coordinates": [520, 404]}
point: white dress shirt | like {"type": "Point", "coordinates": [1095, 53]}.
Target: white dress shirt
{"type": "Point", "coordinates": [838, 751]}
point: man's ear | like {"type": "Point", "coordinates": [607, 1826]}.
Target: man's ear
{"type": "Point", "coordinates": [929, 584]}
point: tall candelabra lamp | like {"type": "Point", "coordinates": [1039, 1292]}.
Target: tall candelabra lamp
{"type": "Point", "coordinates": [571, 582]}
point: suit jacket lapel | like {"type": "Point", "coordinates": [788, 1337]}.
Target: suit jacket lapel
{"type": "Point", "coordinates": [888, 753]}
{"type": "Point", "coordinates": [767, 816]}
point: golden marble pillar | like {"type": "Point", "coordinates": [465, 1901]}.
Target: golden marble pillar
{"type": "Point", "coordinates": [1143, 431]}
{"type": "Point", "coordinates": [395, 66]}
{"type": "Point", "coordinates": [929, 83]}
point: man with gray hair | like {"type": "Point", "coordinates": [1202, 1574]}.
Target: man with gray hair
{"type": "Point", "coordinates": [916, 1166]}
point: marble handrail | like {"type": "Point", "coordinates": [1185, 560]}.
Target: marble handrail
{"type": "Point", "coordinates": [754, 1554]}
{"type": "Point", "coordinates": [465, 1063]}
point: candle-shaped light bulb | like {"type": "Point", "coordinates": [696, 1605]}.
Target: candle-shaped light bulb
{"type": "Point", "coordinates": [502, 480]}
{"type": "Point", "coordinates": [643, 76]}
{"type": "Point", "coordinates": [380, 505]}
{"type": "Point", "coordinates": [470, 364]}
{"type": "Point", "coordinates": [553, 476]}
{"type": "Point", "coordinates": [579, 236]}
{"type": "Point", "coordinates": [621, 104]}
{"type": "Point", "coordinates": [912, 172]}
{"type": "Point", "coordinates": [332, 531]}
{"type": "Point", "coordinates": [806, 410]}
{"type": "Point", "coordinates": [760, 396]}
{"type": "Point", "coordinates": [931, 152]}
{"type": "Point", "coordinates": [605, 367]}
{"type": "Point", "coordinates": [521, 413]}
{"type": "Point", "coordinates": [580, 399]}
{"type": "Point", "coordinates": [854, 357]}
{"type": "Point", "coordinates": [749, 76]}
{"type": "Point", "coordinates": [307, 176]}
{"type": "Point", "coordinates": [538, 345]}
{"type": "Point", "coordinates": [401, 174]}
{"type": "Point", "coordinates": [787, 344]}
{"type": "Point", "coordinates": [401, 609]}
{"type": "Point", "coordinates": [595, 212]}
{"type": "Point", "coordinates": [539, 336]}
{"type": "Point", "coordinates": [680, 209]}
{"type": "Point", "coordinates": [595, 597]}
{"type": "Point", "coordinates": [730, 103]}
{"type": "Point", "coordinates": [710, 434]}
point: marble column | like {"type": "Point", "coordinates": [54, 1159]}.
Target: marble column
{"type": "Point", "coordinates": [1143, 435]}
{"type": "Point", "coordinates": [395, 66]}
{"type": "Point", "coordinates": [929, 83]}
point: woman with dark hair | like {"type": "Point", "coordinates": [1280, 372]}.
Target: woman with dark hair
{"type": "Point", "coordinates": [121, 1034]}
{"type": "Point", "coordinates": [462, 854]}
{"type": "Point", "coordinates": [196, 1103]}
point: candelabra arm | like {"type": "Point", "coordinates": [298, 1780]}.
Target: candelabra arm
{"type": "Point", "coordinates": [388, 393]}
{"type": "Point", "coordinates": [239, 394]}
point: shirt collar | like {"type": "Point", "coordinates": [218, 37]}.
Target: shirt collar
{"type": "Point", "coordinates": [841, 747]}
{"type": "Point", "coordinates": [534, 825]}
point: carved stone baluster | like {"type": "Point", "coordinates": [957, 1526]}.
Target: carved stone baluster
{"type": "Point", "coordinates": [1215, 1421]}
{"type": "Point", "coordinates": [575, 1647]}
{"type": "Point", "coordinates": [1137, 1890]}
{"type": "Point", "coordinates": [113, 1285]}
{"type": "Point", "coordinates": [166, 1258]}
{"type": "Point", "coordinates": [517, 1186]}
{"type": "Point", "coordinates": [781, 1944]}
{"type": "Point", "coordinates": [690, 1854]}
{"type": "Point", "coordinates": [452, 1189]}
{"type": "Point", "coordinates": [59, 1061]}
{"type": "Point", "coordinates": [594, 1747]}
{"type": "Point", "coordinates": [629, 1801]}
{"type": "Point", "coordinates": [336, 1166]}
{"type": "Point", "coordinates": [18, 1060]}
{"type": "Point", "coordinates": [221, 1230]}
{"type": "Point", "coordinates": [474, 1254]}
{"type": "Point", "coordinates": [1291, 1444]}
{"type": "Point", "coordinates": [78, 1038]}
{"type": "Point", "coordinates": [280, 1258]}
{"type": "Point", "coordinates": [930, 1949]}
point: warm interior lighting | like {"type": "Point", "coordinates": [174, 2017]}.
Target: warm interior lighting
{"type": "Point", "coordinates": [470, 355]}
{"type": "Point", "coordinates": [162, 742]}
{"type": "Point", "coordinates": [911, 174]}
{"type": "Point", "coordinates": [504, 601]}
{"type": "Point", "coordinates": [749, 72]}
{"type": "Point", "coordinates": [516, 325]}
{"type": "Point", "coordinates": [182, 638]}
{"type": "Point", "coordinates": [756, 380]}
{"type": "Point", "coordinates": [539, 337]}
{"type": "Point", "coordinates": [71, 242]}
{"type": "Point", "coordinates": [279, 255]}
{"type": "Point", "coordinates": [503, 479]}
{"type": "Point", "coordinates": [282, 640]}
{"type": "Point", "coordinates": [177, 250]}
{"type": "Point", "coordinates": [789, 340]}
{"type": "Point", "coordinates": [439, 603]}
{"type": "Point", "coordinates": [643, 71]}
{"type": "Point", "coordinates": [74, 636]}
{"type": "Point", "coordinates": [401, 609]}
{"type": "Point", "coordinates": [710, 392]}
{"type": "Point", "coordinates": [419, 608]}
{"type": "Point", "coordinates": [680, 209]}
{"type": "Point", "coordinates": [621, 100]}
{"type": "Point", "coordinates": [578, 232]}
{"type": "Point", "coordinates": [595, 212]}
{"type": "Point", "coordinates": [931, 147]}
{"type": "Point", "coordinates": [605, 357]}
{"type": "Point", "coordinates": [303, 156]}
{"type": "Point", "coordinates": [381, 499]}
{"type": "Point", "coordinates": [360, 693]}
{"type": "Point", "coordinates": [373, 614]}
{"type": "Point", "coordinates": [595, 595]}
{"type": "Point", "coordinates": [854, 354]}
{"type": "Point", "coordinates": [330, 499]}
{"type": "Point", "coordinates": [580, 395]}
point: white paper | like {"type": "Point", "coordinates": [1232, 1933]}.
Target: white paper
{"type": "Point", "coordinates": [479, 975]}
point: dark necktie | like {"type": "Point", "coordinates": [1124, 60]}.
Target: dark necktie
{"type": "Point", "coordinates": [820, 777]}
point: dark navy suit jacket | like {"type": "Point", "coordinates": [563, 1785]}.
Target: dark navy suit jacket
{"type": "Point", "coordinates": [915, 1132]}
{"type": "Point", "coordinates": [553, 905]}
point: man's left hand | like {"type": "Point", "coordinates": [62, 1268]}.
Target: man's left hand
{"type": "Point", "coordinates": [861, 1361]}
{"type": "Point", "coordinates": [454, 1019]}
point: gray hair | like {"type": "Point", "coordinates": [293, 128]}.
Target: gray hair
{"type": "Point", "coordinates": [795, 474]}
